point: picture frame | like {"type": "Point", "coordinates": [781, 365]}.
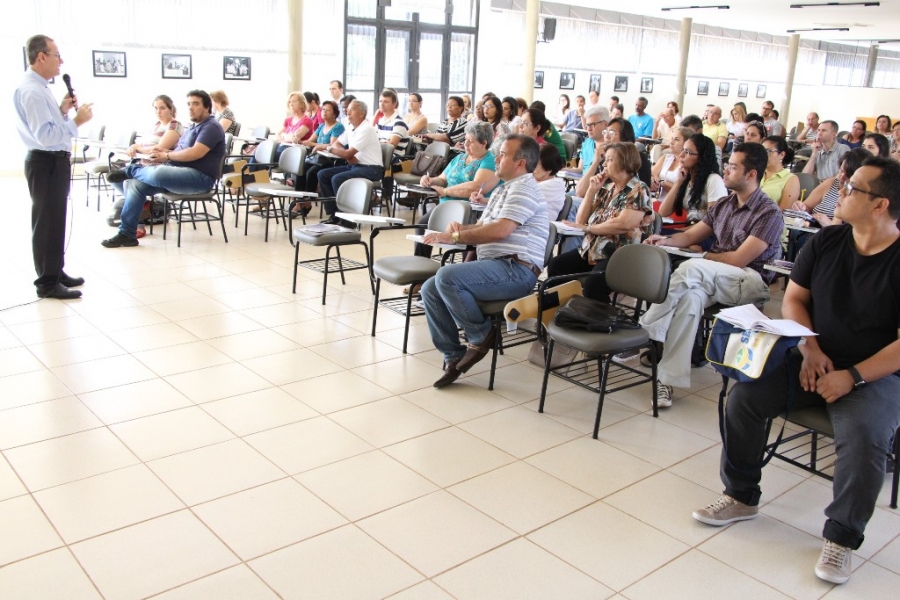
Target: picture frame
{"type": "Point", "coordinates": [702, 88]}
{"type": "Point", "coordinates": [538, 80]}
{"type": "Point", "coordinates": [236, 68]}
{"type": "Point", "coordinates": [26, 65]}
{"type": "Point", "coordinates": [724, 88]}
{"type": "Point", "coordinates": [743, 89]}
{"type": "Point", "coordinates": [109, 64]}
{"type": "Point", "coordinates": [566, 81]}
{"type": "Point", "coordinates": [760, 91]}
{"type": "Point", "coordinates": [646, 85]}
{"type": "Point", "coordinates": [621, 83]}
{"type": "Point", "coordinates": [177, 66]}
{"type": "Point", "coordinates": [594, 85]}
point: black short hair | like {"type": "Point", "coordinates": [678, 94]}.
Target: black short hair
{"type": "Point", "coordinates": [311, 97]}
{"type": "Point", "coordinates": [537, 118]}
{"type": "Point", "coordinates": [692, 121]}
{"type": "Point", "coordinates": [416, 95]}
{"type": "Point", "coordinates": [884, 146]}
{"type": "Point", "coordinates": [887, 184]}
{"type": "Point", "coordinates": [626, 133]}
{"type": "Point", "coordinates": [339, 83]}
{"type": "Point", "coordinates": [459, 101]}
{"type": "Point", "coordinates": [753, 117]}
{"type": "Point", "coordinates": [782, 146]}
{"type": "Point", "coordinates": [538, 105]}
{"type": "Point", "coordinates": [853, 160]}
{"type": "Point", "coordinates": [334, 107]}
{"type": "Point", "coordinates": [755, 158]}
{"type": "Point", "coordinates": [550, 159]}
{"type": "Point", "coordinates": [498, 107]}
{"type": "Point", "coordinates": [204, 97]}
{"type": "Point", "coordinates": [389, 93]}
{"type": "Point", "coordinates": [616, 98]}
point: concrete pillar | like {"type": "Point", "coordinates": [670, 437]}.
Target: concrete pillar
{"type": "Point", "coordinates": [532, 10]}
{"type": "Point", "coordinates": [295, 45]}
{"type": "Point", "coordinates": [870, 66]}
{"type": "Point", "coordinates": [684, 42]}
{"type": "Point", "coordinates": [785, 108]}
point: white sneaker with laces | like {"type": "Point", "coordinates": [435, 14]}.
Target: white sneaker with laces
{"type": "Point", "coordinates": [834, 563]}
{"type": "Point", "coordinates": [725, 510]}
{"type": "Point", "coordinates": [663, 395]}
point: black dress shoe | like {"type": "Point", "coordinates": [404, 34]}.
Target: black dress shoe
{"type": "Point", "coordinates": [477, 351]}
{"type": "Point", "coordinates": [116, 176]}
{"type": "Point", "coordinates": [69, 281]}
{"type": "Point", "coordinates": [451, 374]}
{"type": "Point", "coordinates": [59, 291]}
{"type": "Point", "coordinates": [332, 220]}
{"type": "Point", "coordinates": [120, 240]}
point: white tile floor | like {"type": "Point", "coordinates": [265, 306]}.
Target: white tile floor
{"type": "Point", "coordinates": [192, 429]}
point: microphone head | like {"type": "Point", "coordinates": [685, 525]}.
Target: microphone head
{"type": "Point", "coordinates": [67, 79]}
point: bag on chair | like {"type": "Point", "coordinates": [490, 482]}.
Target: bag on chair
{"type": "Point", "coordinates": [428, 164]}
{"type": "Point", "coordinates": [586, 314]}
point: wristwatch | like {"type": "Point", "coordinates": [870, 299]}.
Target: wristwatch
{"type": "Point", "coordinates": [455, 237]}
{"type": "Point", "coordinates": [858, 382]}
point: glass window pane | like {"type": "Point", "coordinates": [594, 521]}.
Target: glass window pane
{"type": "Point", "coordinates": [433, 107]}
{"type": "Point", "coordinates": [360, 57]}
{"type": "Point", "coordinates": [462, 60]}
{"type": "Point", "coordinates": [367, 96]}
{"type": "Point", "coordinates": [464, 12]}
{"type": "Point", "coordinates": [430, 11]}
{"type": "Point", "coordinates": [396, 59]}
{"type": "Point", "coordinates": [366, 9]}
{"type": "Point", "coordinates": [431, 60]}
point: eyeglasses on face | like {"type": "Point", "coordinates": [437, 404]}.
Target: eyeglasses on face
{"type": "Point", "coordinates": [589, 125]}
{"type": "Point", "coordinates": [611, 132]}
{"type": "Point", "coordinates": [849, 188]}
{"type": "Point", "coordinates": [689, 152]}
{"type": "Point", "coordinates": [56, 54]}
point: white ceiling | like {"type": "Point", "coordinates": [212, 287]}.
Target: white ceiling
{"type": "Point", "coordinates": [775, 17]}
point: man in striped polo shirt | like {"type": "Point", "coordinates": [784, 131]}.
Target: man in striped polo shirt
{"type": "Point", "coordinates": [510, 239]}
{"type": "Point", "coordinates": [391, 130]}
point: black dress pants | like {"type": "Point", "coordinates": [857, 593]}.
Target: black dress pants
{"type": "Point", "coordinates": [569, 263]}
{"type": "Point", "coordinates": [47, 174]}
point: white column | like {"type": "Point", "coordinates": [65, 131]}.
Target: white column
{"type": "Point", "coordinates": [531, 32]}
{"type": "Point", "coordinates": [870, 66]}
{"type": "Point", "coordinates": [785, 108]}
{"type": "Point", "coordinates": [295, 45]}
{"type": "Point", "coordinates": [684, 41]}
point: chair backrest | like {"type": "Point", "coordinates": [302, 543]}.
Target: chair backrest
{"type": "Point", "coordinates": [237, 129]}
{"type": "Point", "coordinates": [229, 143]}
{"type": "Point", "coordinates": [641, 271]}
{"type": "Point", "coordinates": [292, 160]}
{"type": "Point", "coordinates": [265, 151]}
{"type": "Point", "coordinates": [260, 133]}
{"type": "Point", "coordinates": [441, 149]}
{"type": "Point", "coordinates": [125, 139]}
{"type": "Point", "coordinates": [657, 223]}
{"type": "Point", "coordinates": [432, 127]}
{"type": "Point", "coordinates": [96, 133]}
{"type": "Point", "coordinates": [569, 145]}
{"type": "Point", "coordinates": [447, 212]}
{"type": "Point", "coordinates": [551, 243]}
{"type": "Point", "coordinates": [793, 133]}
{"type": "Point", "coordinates": [355, 196]}
{"type": "Point", "coordinates": [808, 183]}
{"type": "Point", "coordinates": [387, 156]}
{"type": "Point", "coordinates": [566, 208]}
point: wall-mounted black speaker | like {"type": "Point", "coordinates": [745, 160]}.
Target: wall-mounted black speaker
{"type": "Point", "coordinates": [549, 29]}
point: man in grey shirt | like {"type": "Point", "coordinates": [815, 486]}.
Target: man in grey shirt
{"type": "Point", "coordinates": [826, 152]}
{"type": "Point", "coordinates": [510, 239]}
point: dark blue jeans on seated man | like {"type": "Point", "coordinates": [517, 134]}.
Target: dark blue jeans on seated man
{"type": "Point", "coordinates": [331, 179]}
{"type": "Point", "coordinates": [146, 181]}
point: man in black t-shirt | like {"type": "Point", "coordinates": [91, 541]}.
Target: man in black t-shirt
{"type": "Point", "coordinates": [845, 286]}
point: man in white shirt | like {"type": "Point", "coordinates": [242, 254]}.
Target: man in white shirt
{"type": "Point", "coordinates": [363, 156]}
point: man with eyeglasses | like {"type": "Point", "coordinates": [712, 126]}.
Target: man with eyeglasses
{"type": "Point", "coordinates": [747, 229]}
{"type": "Point", "coordinates": [826, 152]}
{"type": "Point", "coordinates": [852, 367]}
{"type": "Point", "coordinates": [714, 128]}
{"type": "Point", "coordinates": [47, 132]}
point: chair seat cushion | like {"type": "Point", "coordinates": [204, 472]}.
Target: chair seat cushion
{"type": "Point", "coordinates": [402, 270]}
{"type": "Point", "coordinates": [253, 188]}
{"type": "Point", "coordinates": [598, 343]}
{"type": "Point", "coordinates": [493, 307]}
{"type": "Point", "coordinates": [96, 166]}
{"type": "Point", "coordinates": [325, 239]}
{"type": "Point", "coordinates": [812, 417]}
{"type": "Point", "coordinates": [172, 197]}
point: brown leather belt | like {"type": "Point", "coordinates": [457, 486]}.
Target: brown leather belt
{"type": "Point", "coordinates": [525, 263]}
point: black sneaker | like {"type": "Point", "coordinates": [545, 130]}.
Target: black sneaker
{"type": "Point", "coordinates": [120, 240]}
{"type": "Point", "coordinates": [116, 176]}
{"type": "Point", "coordinates": [332, 220]}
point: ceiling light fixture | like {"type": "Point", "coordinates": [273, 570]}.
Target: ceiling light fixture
{"type": "Point", "coordinates": [718, 6]}
{"type": "Point", "coordinates": [819, 29]}
{"type": "Point", "coordinates": [834, 4]}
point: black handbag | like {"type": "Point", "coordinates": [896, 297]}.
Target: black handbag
{"type": "Point", "coordinates": [428, 164]}
{"type": "Point", "coordinates": [324, 162]}
{"type": "Point", "coordinates": [586, 314]}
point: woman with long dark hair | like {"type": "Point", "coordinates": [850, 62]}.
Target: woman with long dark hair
{"type": "Point", "coordinates": [493, 114]}
{"type": "Point", "coordinates": [699, 184]}
{"type": "Point", "coordinates": [855, 137]}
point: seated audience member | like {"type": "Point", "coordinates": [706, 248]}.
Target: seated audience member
{"type": "Point", "coordinates": [674, 106]}
{"type": "Point", "coordinates": [698, 185]}
{"type": "Point", "coordinates": [467, 113]}
{"type": "Point", "coordinates": [595, 121]}
{"type": "Point", "coordinates": [551, 135]}
{"type": "Point", "coordinates": [363, 156]}
{"type": "Point", "coordinates": [807, 135]}
{"type": "Point", "coordinates": [617, 112]}
{"type": "Point", "coordinates": [313, 108]}
{"type": "Point", "coordinates": [223, 114]}
{"type": "Point", "coordinates": [575, 117]}
{"type": "Point", "coordinates": [665, 123]}
{"type": "Point", "coordinates": [747, 227]}
{"type": "Point", "coordinates": [850, 368]}
{"type": "Point", "coordinates": [493, 114]}
{"type": "Point", "coordinates": [468, 173]}
{"type": "Point", "coordinates": [854, 138]}
{"type": "Point", "coordinates": [511, 113]}
{"type": "Point", "coordinates": [392, 130]}
{"type": "Point", "coordinates": [877, 144]}
{"type": "Point", "coordinates": [640, 120]}
{"type": "Point", "coordinates": [616, 211]}
{"type": "Point", "coordinates": [779, 183]}
{"type": "Point", "coordinates": [895, 139]}
{"type": "Point", "coordinates": [479, 111]}
{"type": "Point", "coordinates": [453, 130]}
{"type": "Point", "coordinates": [736, 125]}
{"type": "Point", "coordinates": [822, 200]}
{"type": "Point", "coordinates": [510, 239]}
{"type": "Point", "coordinates": [826, 152]}
{"type": "Point", "coordinates": [534, 124]}
{"type": "Point", "coordinates": [298, 127]}
{"type": "Point", "coordinates": [883, 125]}
{"type": "Point", "coordinates": [715, 129]}
{"type": "Point", "coordinates": [553, 187]}
{"type": "Point", "coordinates": [770, 119]}
{"type": "Point", "coordinates": [416, 122]}
{"type": "Point", "coordinates": [336, 89]}
{"type": "Point", "coordinates": [695, 123]}
{"type": "Point", "coordinates": [754, 132]}
{"type": "Point", "coordinates": [191, 168]}
{"type": "Point", "coordinates": [593, 100]}
{"type": "Point", "coordinates": [613, 102]}
{"type": "Point", "coordinates": [618, 130]}
{"type": "Point", "coordinates": [667, 170]}
{"type": "Point", "coordinates": [327, 134]}
{"type": "Point", "coordinates": [562, 108]}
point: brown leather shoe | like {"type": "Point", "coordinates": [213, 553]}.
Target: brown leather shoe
{"type": "Point", "coordinates": [451, 374]}
{"type": "Point", "coordinates": [477, 351]}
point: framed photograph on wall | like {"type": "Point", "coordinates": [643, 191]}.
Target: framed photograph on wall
{"type": "Point", "coordinates": [237, 67]}
{"type": "Point", "coordinates": [743, 88]}
{"type": "Point", "coordinates": [724, 88]}
{"type": "Point", "coordinates": [176, 66]}
{"type": "Point", "coordinates": [621, 83]}
{"type": "Point", "coordinates": [702, 88]}
{"type": "Point", "coordinates": [595, 84]}
{"type": "Point", "coordinates": [109, 64]}
{"type": "Point", "coordinates": [646, 85]}
{"type": "Point", "coordinates": [760, 91]}
{"type": "Point", "coordinates": [567, 81]}
{"type": "Point", "coordinates": [538, 79]}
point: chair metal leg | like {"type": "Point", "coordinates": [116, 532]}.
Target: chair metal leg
{"type": "Point", "coordinates": [181, 220]}
{"type": "Point", "coordinates": [604, 367]}
{"type": "Point", "coordinates": [375, 309]}
{"type": "Point", "coordinates": [296, 264]}
{"type": "Point", "coordinates": [369, 265]}
{"type": "Point", "coordinates": [498, 341]}
{"type": "Point", "coordinates": [547, 357]}
{"type": "Point", "coordinates": [208, 224]}
{"type": "Point", "coordinates": [325, 278]}
{"type": "Point", "coordinates": [340, 265]}
{"type": "Point", "coordinates": [220, 207]}
{"type": "Point", "coordinates": [895, 482]}
{"type": "Point", "coordinates": [653, 359]}
{"type": "Point", "coordinates": [166, 217]}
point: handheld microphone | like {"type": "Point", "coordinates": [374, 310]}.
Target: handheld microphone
{"type": "Point", "coordinates": [68, 81]}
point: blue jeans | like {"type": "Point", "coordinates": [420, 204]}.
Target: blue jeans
{"type": "Point", "coordinates": [331, 179]}
{"type": "Point", "coordinates": [450, 299]}
{"type": "Point", "coordinates": [864, 422]}
{"type": "Point", "coordinates": [147, 181]}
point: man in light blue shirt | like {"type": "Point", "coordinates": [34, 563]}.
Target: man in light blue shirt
{"type": "Point", "coordinates": [641, 121]}
{"type": "Point", "coordinates": [47, 132]}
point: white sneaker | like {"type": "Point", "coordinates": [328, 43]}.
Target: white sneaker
{"type": "Point", "coordinates": [663, 395]}
{"type": "Point", "coordinates": [725, 510]}
{"type": "Point", "coordinates": [834, 563]}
